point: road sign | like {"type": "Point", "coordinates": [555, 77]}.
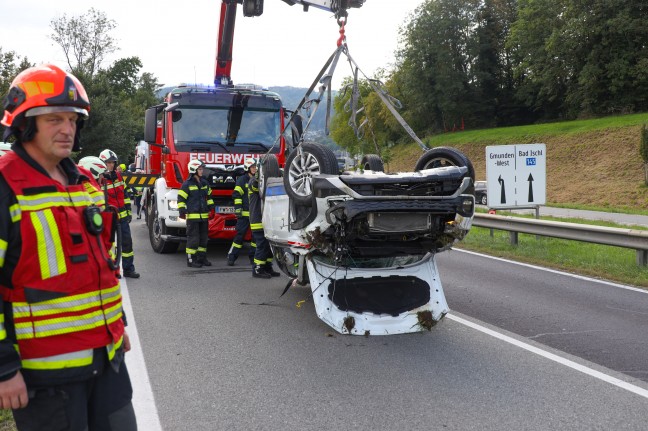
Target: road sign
{"type": "Point", "coordinates": [516, 175]}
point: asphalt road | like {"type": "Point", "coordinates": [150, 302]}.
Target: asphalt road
{"type": "Point", "coordinates": [218, 361]}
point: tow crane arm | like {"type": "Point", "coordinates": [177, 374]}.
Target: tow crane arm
{"type": "Point", "coordinates": [222, 72]}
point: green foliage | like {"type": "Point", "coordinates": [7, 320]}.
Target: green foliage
{"type": "Point", "coordinates": [11, 65]}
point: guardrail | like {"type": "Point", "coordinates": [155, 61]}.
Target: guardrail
{"type": "Point", "coordinates": [628, 238]}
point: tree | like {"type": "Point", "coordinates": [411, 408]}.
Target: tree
{"type": "Point", "coordinates": [9, 68]}
{"type": "Point", "coordinates": [85, 41]}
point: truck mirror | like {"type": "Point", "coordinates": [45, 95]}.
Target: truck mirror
{"type": "Point", "coordinates": [150, 124]}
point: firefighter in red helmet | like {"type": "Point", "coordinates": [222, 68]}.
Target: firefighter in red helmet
{"type": "Point", "coordinates": [62, 337]}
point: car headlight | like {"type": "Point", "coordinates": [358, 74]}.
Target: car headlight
{"type": "Point", "coordinates": [173, 205]}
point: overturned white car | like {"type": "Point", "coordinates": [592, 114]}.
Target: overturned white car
{"type": "Point", "coordinates": [365, 240]}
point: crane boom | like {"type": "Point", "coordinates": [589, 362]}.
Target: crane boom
{"type": "Point", "coordinates": [222, 69]}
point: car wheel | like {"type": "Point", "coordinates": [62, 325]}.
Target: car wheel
{"type": "Point", "coordinates": [444, 156]}
{"type": "Point", "coordinates": [157, 228]}
{"type": "Point", "coordinates": [302, 164]}
{"type": "Point", "coordinates": [484, 200]}
{"type": "Point", "coordinates": [268, 168]}
{"type": "Point", "coordinates": [372, 162]}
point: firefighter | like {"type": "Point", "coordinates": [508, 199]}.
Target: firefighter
{"type": "Point", "coordinates": [195, 205]}
{"type": "Point", "coordinates": [118, 197]}
{"type": "Point", "coordinates": [242, 211]}
{"type": "Point", "coordinates": [62, 337]}
{"type": "Point", "coordinates": [262, 264]}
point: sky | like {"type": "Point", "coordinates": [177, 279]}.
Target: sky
{"type": "Point", "coordinates": [176, 41]}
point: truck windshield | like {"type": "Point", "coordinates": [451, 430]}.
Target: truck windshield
{"type": "Point", "coordinates": [258, 127]}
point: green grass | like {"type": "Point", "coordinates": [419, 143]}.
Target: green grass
{"type": "Point", "coordinates": [6, 421]}
{"type": "Point", "coordinates": [518, 134]}
{"type": "Point", "coordinates": [622, 210]}
{"type": "Point", "coordinates": [599, 261]}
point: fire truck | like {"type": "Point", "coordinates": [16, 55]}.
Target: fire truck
{"type": "Point", "coordinates": [221, 125]}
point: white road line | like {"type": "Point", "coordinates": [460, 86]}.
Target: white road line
{"type": "Point", "coordinates": [555, 271]}
{"type": "Point", "coordinates": [143, 401]}
{"type": "Point", "coordinates": [553, 357]}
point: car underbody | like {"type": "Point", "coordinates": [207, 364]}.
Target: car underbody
{"type": "Point", "coordinates": [366, 242]}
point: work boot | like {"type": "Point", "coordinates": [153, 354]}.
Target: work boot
{"type": "Point", "coordinates": [259, 272]}
{"type": "Point", "coordinates": [203, 259]}
{"type": "Point", "coordinates": [230, 260]}
{"type": "Point", "coordinates": [270, 270]}
{"type": "Point", "coordinates": [193, 263]}
{"type": "Point", "coordinates": [131, 274]}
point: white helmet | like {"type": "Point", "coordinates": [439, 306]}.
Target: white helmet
{"type": "Point", "coordinates": [95, 165]}
{"type": "Point", "coordinates": [248, 164]}
{"type": "Point", "coordinates": [4, 147]}
{"type": "Point", "coordinates": [108, 156]}
{"type": "Point", "coordinates": [194, 165]}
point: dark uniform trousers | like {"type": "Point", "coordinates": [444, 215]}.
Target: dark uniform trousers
{"type": "Point", "coordinates": [242, 226]}
{"type": "Point", "coordinates": [101, 403]}
{"type": "Point", "coordinates": [128, 257]}
{"type": "Point", "coordinates": [197, 234]}
{"type": "Point", "coordinates": [263, 252]}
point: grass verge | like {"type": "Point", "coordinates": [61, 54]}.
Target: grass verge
{"type": "Point", "coordinates": [6, 421]}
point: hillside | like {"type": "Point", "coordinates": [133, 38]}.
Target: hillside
{"type": "Point", "coordinates": [593, 162]}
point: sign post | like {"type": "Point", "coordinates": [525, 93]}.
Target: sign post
{"type": "Point", "coordinates": [516, 176]}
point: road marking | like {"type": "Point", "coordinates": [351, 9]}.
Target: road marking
{"type": "Point", "coordinates": [553, 357]}
{"type": "Point", "coordinates": [555, 271]}
{"type": "Point", "coordinates": [143, 400]}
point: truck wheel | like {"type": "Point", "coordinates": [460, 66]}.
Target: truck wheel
{"type": "Point", "coordinates": [300, 168]}
{"type": "Point", "coordinates": [372, 162]}
{"type": "Point", "coordinates": [157, 228]}
{"type": "Point", "coordinates": [268, 168]}
{"type": "Point", "coordinates": [444, 156]}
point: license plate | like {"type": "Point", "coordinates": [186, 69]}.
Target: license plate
{"type": "Point", "coordinates": [225, 210]}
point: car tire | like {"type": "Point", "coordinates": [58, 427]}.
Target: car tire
{"type": "Point", "coordinates": [372, 162]}
{"type": "Point", "coordinates": [301, 164]}
{"type": "Point", "coordinates": [444, 156]}
{"type": "Point", "coordinates": [484, 200]}
{"type": "Point", "coordinates": [268, 168]}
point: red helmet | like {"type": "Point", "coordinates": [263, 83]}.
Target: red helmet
{"type": "Point", "coordinates": [43, 90]}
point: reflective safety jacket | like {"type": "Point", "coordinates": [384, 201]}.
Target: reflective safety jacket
{"type": "Point", "coordinates": [113, 182]}
{"type": "Point", "coordinates": [256, 215]}
{"type": "Point", "coordinates": [240, 196]}
{"type": "Point", "coordinates": [194, 199]}
{"type": "Point", "coordinates": [60, 298]}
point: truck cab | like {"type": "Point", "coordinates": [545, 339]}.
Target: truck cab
{"type": "Point", "coordinates": [219, 125]}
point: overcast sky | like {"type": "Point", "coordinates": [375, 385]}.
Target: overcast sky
{"type": "Point", "coordinates": [176, 41]}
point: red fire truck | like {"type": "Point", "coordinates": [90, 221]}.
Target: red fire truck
{"type": "Point", "coordinates": [221, 125]}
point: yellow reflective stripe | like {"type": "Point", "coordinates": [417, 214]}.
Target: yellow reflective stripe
{"type": "Point", "coordinates": [238, 201]}
{"type": "Point", "coordinates": [113, 347]}
{"type": "Point", "coordinates": [131, 254]}
{"type": "Point", "coordinates": [67, 304]}
{"type": "Point", "coordinates": [127, 201]}
{"type": "Point", "coordinates": [14, 211]}
{"type": "Point", "coordinates": [114, 185]}
{"type": "Point", "coordinates": [245, 213]}
{"type": "Point", "coordinates": [201, 249]}
{"type": "Point", "coordinates": [182, 205]}
{"type": "Point", "coordinates": [66, 325]}
{"type": "Point", "coordinates": [238, 189]}
{"type": "Point", "coordinates": [197, 216]}
{"type": "Point", "coordinates": [3, 251]}
{"type": "Point", "coordinates": [210, 201]}
{"type": "Point", "coordinates": [50, 249]}
{"type": "Point", "coordinates": [190, 250]}
{"type": "Point", "coordinates": [66, 360]}
{"type": "Point", "coordinates": [193, 187]}
{"type": "Point", "coordinates": [3, 330]}
{"type": "Point", "coordinates": [123, 214]}
{"type": "Point", "coordinates": [253, 244]}
{"type": "Point", "coordinates": [256, 226]}
{"type": "Point", "coordinates": [183, 194]}
{"type": "Point", "coordinates": [55, 199]}
{"type": "Point", "coordinates": [235, 245]}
